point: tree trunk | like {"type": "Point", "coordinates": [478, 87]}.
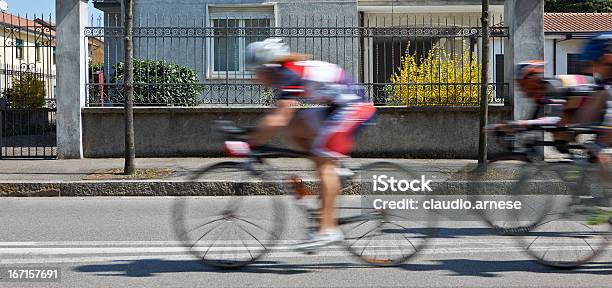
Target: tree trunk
{"type": "Point", "coordinates": [130, 152]}
{"type": "Point", "coordinates": [484, 101]}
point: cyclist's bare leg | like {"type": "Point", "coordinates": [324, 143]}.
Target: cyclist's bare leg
{"type": "Point", "coordinates": [330, 188]}
{"type": "Point", "coordinates": [301, 135]}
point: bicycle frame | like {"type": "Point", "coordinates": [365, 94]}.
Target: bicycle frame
{"type": "Point", "coordinates": [261, 153]}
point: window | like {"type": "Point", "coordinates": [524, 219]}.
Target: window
{"type": "Point", "coordinates": [38, 54]}
{"type": "Point", "coordinates": [19, 49]}
{"type": "Point", "coordinates": [574, 65]}
{"type": "Point", "coordinates": [227, 52]}
{"type": "Point", "coordinates": [53, 54]}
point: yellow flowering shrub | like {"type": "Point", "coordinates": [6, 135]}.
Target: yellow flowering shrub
{"type": "Point", "coordinates": [441, 78]}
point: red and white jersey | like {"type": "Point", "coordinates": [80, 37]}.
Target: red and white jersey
{"type": "Point", "coordinates": [316, 82]}
{"type": "Point", "coordinates": [317, 71]}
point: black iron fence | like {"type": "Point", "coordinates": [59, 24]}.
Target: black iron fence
{"type": "Point", "coordinates": [410, 60]}
{"type": "Point", "coordinates": [27, 87]}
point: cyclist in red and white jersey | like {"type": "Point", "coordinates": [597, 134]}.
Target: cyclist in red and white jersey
{"type": "Point", "coordinates": [327, 131]}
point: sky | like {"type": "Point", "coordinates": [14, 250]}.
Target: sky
{"type": "Point", "coordinates": [39, 7]}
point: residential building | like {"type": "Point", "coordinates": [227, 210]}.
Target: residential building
{"type": "Point", "coordinates": [412, 26]}
{"type": "Point", "coordinates": [28, 46]}
{"type": "Point", "coordinates": [565, 34]}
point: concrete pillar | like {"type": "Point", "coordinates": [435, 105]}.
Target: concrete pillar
{"type": "Point", "coordinates": [525, 19]}
{"type": "Point", "coordinates": [71, 61]}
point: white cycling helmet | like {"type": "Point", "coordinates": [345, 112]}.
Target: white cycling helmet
{"type": "Point", "coordinates": [264, 52]}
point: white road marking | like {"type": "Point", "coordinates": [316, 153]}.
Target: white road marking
{"type": "Point", "coordinates": [490, 240]}
{"type": "Point", "coordinates": [101, 251]}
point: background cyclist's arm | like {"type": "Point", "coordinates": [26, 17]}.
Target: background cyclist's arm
{"type": "Point", "coordinates": [274, 121]}
{"type": "Point", "coordinates": [593, 110]}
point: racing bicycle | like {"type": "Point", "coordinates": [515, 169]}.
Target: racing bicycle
{"type": "Point", "coordinates": [566, 220]}
{"type": "Point", "coordinates": [250, 215]}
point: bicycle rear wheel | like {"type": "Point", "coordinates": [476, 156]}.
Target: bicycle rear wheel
{"type": "Point", "coordinates": [381, 237]}
{"type": "Point", "coordinates": [573, 235]}
{"type": "Point", "coordinates": [513, 177]}
{"type": "Point", "coordinates": [235, 229]}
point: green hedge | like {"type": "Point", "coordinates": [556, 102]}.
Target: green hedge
{"type": "Point", "coordinates": [27, 91]}
{"type": "Point", "coordinates": [157, 82]}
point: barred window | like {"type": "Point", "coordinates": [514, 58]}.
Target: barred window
{"type": "Point", "coordinates": [574, 65]}
{"type": "Point", "coordinates": [233, 31]}
{"type": "Point", "coordinates": [19, 48]}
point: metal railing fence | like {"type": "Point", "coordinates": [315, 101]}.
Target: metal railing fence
{"type": "Point", "coordinates": [27, 86]}
{"type": "Point", "coordinates": [405, 59]}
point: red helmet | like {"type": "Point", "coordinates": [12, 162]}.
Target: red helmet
{"type": "Point", "coordinates": [529, 68]}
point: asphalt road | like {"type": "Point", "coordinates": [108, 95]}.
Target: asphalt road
{"type": "Point", "coordinates": [130, 242]}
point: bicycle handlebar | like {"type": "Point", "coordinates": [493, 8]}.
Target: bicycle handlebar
{"type": "Point", "coordinates": [233, 132]}
{"type": "Point", "coordinates": [575, 128]}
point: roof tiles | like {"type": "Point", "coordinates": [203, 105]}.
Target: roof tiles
{"type": "Point", "coordinates": [577, 22]}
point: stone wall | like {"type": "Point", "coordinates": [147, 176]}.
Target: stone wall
{"type": "Point", "coordinates": [424, 132]}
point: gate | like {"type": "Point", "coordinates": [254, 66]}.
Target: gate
{"type": "Point", "coordinates": [27, 87]}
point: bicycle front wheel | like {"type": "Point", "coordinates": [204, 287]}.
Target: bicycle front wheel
{"type": "Point", "coordinates": [234, 228]}
{"type": "Point", "coordinates": [513, 177]}
{"type": "Point", "coordinates": [382, 237]}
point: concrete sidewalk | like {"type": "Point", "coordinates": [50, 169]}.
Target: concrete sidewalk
{"type": "Point", "coordinates": [72, 177]}
{"type": "Point", "coordinates": [184, 168]}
